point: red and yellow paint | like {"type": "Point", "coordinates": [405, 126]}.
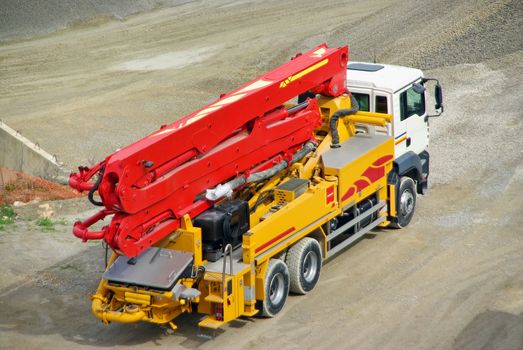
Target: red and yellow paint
{"type": "Point", "coordinates": [371, 175]}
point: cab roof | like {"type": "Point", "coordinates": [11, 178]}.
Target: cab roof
{"type": "Point", "coordinates": [383, 76]}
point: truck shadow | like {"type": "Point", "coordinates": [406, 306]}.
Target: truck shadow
{"type": "Point", "coordinates": [492, 330]}
{"type": "Point", "coordinates": [56, 301]}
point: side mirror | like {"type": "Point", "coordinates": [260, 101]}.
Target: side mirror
{"type": "Point", "coordinates": [438, 97]}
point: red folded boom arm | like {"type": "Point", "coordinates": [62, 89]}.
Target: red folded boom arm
{"type": "Point", "coordinates": [149, 185]}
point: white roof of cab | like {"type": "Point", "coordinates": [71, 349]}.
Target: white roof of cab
{"type": "Point", "coordinates": [371, 75]}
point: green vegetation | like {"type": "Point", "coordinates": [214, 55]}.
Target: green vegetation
{"type": "Point", "coordinates": [10, 187]}
{"type": "Point", "coordinates": [7, 216]}
{"type": "Point", "coordinates": [48, 224]}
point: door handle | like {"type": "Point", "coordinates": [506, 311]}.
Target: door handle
{"type": "Point", "coordinates": [408, 141]}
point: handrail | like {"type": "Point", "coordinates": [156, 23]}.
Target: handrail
{"type": "Point", "coordinates": [228, 247]}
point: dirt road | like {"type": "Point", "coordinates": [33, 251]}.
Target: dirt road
{"type": "Point", "coordinates": [452, 280]}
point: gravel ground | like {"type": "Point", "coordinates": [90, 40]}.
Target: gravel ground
{"type": "Point", "coordinates": [430, 34]}
{"type": "Point", "coordinates": [24, 19]}
{"type": "Point", "coordinates": [101, 87]}
{"type": "Point", "coordinates": [452, 280]}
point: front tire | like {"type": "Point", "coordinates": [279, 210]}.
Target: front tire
{"type": "Point", "coordinates": [276, 283]}
{"type": "Point", "coordinates": [304, 260]}
{"type": "Point", "coordinates": [406, 202]}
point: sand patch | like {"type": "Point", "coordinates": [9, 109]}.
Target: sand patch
{"type": "Point", "coordinates": [169, 60]}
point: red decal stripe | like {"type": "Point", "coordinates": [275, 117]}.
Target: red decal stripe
{"type": "Point", "coordinates": [278, 237]}
{"type": "Point", "coordinates": [374, 174]}
{"type": "Point", "coordinates": [383, 160]}
{"type": "Point", "coordinates": [349, 193]}
{"type": "Point", "coordinates": [361, 184]}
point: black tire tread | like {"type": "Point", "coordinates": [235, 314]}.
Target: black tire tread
{"type": "Point", "coordinates": [264, 305]}
{"type": "Point", "coordinates": [293, 260]}
{"type": "Point", "coordinates": [403, 181]}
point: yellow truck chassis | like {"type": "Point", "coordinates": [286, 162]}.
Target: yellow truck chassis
{"type": "Point", "coordinates": [323, 203]}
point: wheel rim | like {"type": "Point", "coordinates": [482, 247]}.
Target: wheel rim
{"type": "Point", "coordinates": [310, 266]}
{"type": "Point", "coordinates": [276, 289]}
{"type": "Point", "coordinates": [406, 203]}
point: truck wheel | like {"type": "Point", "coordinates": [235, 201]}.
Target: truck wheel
{"type": "Point", "coordinates": [406, 202]}
{"type": "Point", "coordinates": [304, 262]}
{"type": "Point", "coordinates": [276, 284]}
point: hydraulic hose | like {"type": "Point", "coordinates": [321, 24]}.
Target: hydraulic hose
{"type": "Point", "coordinates": [337, 115]}
{"type": "Point", "coordinates": [261, 198]}
{"type": "Point", "coordinates": [267, 174]}
{"type": "Point", "coordinates": [227, 188]}
{"type": "Point", "coordinates": [90, 196]}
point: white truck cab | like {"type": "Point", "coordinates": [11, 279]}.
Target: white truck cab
{"type": "Point", "coordinates": [400, 92]}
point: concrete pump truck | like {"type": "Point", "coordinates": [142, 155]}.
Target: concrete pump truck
{"type": "Point", "coordinates": [228, 210]}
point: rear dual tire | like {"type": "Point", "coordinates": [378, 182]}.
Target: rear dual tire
{"type": "Point", "coordinates": [276, 284]}
{"type": "Point", "coordinates": [304, 260]}
{"type": "Point", "coordinates": [299, 274]}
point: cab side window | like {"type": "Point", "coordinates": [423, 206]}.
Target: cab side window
{"type": "Point", "coordinates": [411, 103]}
{"type": "Point", "coordinates": [363, 101]}
{"type": "Point", "coordinates": [381, 104]}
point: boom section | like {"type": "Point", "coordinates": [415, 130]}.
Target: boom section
{"type": "Point", "coordinates": [150, 184]}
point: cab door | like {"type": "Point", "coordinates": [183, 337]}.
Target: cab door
{"type": "Point", "coordinates": [410, 120]}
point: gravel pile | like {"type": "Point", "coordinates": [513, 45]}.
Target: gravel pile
{"type": "Point", "coordinates": [429, 34]}
{"type": "Point", "coordinates": [475, 48]}
{"type": "Point", "coordinates": [478, 138]}
{"type": "Point", "coordinates": [26, 18]}
{"type": "Point", "coordinates": [125, 76]}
